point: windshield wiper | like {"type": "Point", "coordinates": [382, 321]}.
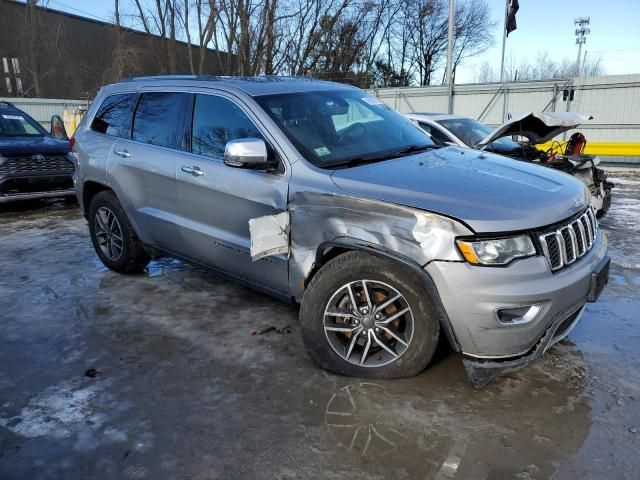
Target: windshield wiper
{"type": "Point", "coordinates": [362, 160]}
{"type": "Point", "coordinates": [353, 161]}
{"type": "Point", "coordinates": [411, 149]}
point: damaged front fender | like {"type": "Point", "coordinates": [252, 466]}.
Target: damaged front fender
{"type": "Point", "coordinates": [314, 218]}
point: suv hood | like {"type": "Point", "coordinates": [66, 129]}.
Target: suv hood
{"type": "Point", "coordinates": [488, 192]}
{"type": "Point", "coordinates": [537, 127]}
{"type": "Point", "coordinates": [46, 145]}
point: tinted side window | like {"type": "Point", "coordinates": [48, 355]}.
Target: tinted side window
{"type": "Point", "coordinates": [161, 119]}
{"type": "Point", "coordinates": [217, 120]}
{"type": "Point", "coordinates": [114, 115]}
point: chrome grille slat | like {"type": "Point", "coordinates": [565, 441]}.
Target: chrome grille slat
{"type": "Point", "coordinates": [569, 249]}
{"type": "Point", "coordinates": [594, 223]}
{"type": "Point", "coordinates": [574, 242]}
{"type": "Point", "coordinates": [583, 236]}
{"type": "Point", "coordinates": [570, 242]}
{"type": "Point", "coordinates": [589, 231]}
{"type": "Point", "coordinates": [562, 247]}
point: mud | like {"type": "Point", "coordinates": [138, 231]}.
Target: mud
{"type": "Point", "coordinates": [183, 390]}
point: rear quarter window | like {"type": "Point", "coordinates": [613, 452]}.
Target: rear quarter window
{"type": "Point", "coordinates": [114, 115]}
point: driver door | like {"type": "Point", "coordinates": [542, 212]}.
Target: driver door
{"type": "Point", "coordinates": [216, 201]}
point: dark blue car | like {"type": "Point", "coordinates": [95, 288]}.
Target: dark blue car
{"type": "Point", "coordinates": [33, 162]}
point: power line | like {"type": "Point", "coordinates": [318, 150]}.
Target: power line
{"type": "Point", "coordinates": [84, 13]}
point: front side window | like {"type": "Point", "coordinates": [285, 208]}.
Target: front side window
{"type": "Point", "coordinates": [343, 127]}
{"type": "Point", "coordinates": [114, 115]}
{"type": "Point", "coordinates": [217, 120]}
{"type": "Point", "coordinates": [161, 118]}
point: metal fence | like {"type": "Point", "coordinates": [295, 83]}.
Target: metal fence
{"type": "Point", "coordinates": [613, 101]}
{"type": "Point", "coordinates": [41, 109]}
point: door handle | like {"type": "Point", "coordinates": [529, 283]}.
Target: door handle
{"type": "Point", "coordinates": [195, 170]}
{"type": "Point", "coordinates": [122, 153]}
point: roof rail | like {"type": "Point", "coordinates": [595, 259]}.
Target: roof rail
{"type": "Point", "coordinates": [169, 77]}
{"type": "Point", "coordinates": [220, 78]}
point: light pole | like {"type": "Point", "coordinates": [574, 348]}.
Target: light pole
{"type": "Point", "coordinates": [581, 37]}
{"type": "Point", "coordinates": [452, 12]}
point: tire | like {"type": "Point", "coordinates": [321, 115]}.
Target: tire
{"type": "Point", "coordinates": [127, 254]}
{"type": "Point", "coordinates": [328, 290]}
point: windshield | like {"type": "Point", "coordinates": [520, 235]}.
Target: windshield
{"type": "Point", "coordinates": [472, 132]}
{"type": "Point", "coordinates": [343, 128]}
{"type": "Point", "coordinates": [19, 124]}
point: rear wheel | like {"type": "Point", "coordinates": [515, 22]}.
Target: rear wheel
{"type": "Point", "coordinates": [366, 316]}
{"type": "Point", "coordinates": [113, 237]}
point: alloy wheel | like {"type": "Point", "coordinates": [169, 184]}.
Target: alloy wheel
{"type": "Point", "coordinates": [108, 233]}
{"type": "Point", "coordinates": [368, 323]}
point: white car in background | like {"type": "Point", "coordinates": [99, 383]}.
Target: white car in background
{"type": "Point", "coordinates": [530, 129]}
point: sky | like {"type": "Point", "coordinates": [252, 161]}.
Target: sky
{"type": "Point", "coordinates": [547, 25]}
{"type": "Point", "coordinates": [543, 25]}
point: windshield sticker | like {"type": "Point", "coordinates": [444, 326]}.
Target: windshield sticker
{"type": "Point", "coordinates": [373, 101]}
{"type": "Point", "coordinates": [14, 117]}
{"type": "Point", "coordinates": [322, 151]}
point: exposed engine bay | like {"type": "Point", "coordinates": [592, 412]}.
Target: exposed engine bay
{"type": "Point", "coordinates": [569, 157]}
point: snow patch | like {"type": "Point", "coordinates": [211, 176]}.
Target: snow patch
{"type": "Point", "coordinates": [54, 412]}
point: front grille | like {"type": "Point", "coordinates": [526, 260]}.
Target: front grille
{"type": "Point", "coordinates": [571, 241]}
{"type": "Point", "coordinates": [26, 165]}
{"type": "Point", "coordinates": [39, 184]}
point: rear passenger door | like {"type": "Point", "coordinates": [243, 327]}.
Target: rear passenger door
{"type": "Point", "coordinates": [144, 166]}
{"type": "Point", "coordinates": [217, 201]}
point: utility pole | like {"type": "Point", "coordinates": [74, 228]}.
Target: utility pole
{"type": "Point", "coordinates": [581, 38]}
{"type": "Point", "coordinates": [452, 13]}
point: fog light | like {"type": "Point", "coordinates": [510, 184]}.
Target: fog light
{"type": "Point", "coordinates": [518, 315]}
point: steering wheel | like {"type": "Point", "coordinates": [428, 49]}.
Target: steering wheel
{"type": "Point", "coordinates": [351, 129]}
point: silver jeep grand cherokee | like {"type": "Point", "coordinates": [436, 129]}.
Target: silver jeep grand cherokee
{"type": "Point", "coordinates": [320, 194]}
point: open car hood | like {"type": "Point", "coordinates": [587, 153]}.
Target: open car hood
{"type": "Point", "coordinates": [537, 127]}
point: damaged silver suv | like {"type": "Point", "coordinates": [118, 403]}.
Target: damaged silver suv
{"type": "Point", "coordinates": [320, 194]}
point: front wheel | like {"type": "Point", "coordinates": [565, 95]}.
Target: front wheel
{"type": "Point", "coordinates": [367, 316]}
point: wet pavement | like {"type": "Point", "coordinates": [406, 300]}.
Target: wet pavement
{"type": "Point", "coordinates": [153, 376]}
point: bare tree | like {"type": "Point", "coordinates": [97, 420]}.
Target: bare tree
{"type": "Point", "coordinates": [355, 39]}
{"type": "Point", "coordinates": [472, 32]}
{"type": "Point", "coordinates": [162, 20]}
{"type": "Point", "coordinates": [35, 46]}
{"type": "Point", "coordinates": [429, 36]}
{"type": "Point", "coordinates": [543, 67]}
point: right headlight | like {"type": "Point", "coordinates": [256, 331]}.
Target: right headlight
{"type": "Point", "coordinates": [497, 251]}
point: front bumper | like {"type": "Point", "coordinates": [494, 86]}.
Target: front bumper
{"type": "Point", "coordinates": [481, 372]}
{"type": "Point", "coordinates": [28, 187]}
{"type": "Point", "coordinates": [473, 295]}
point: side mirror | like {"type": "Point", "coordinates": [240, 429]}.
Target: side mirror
{"type": "Point", "coordinates": [57, 128]}
{"type": "Point", "coordinates": [247, 153]}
